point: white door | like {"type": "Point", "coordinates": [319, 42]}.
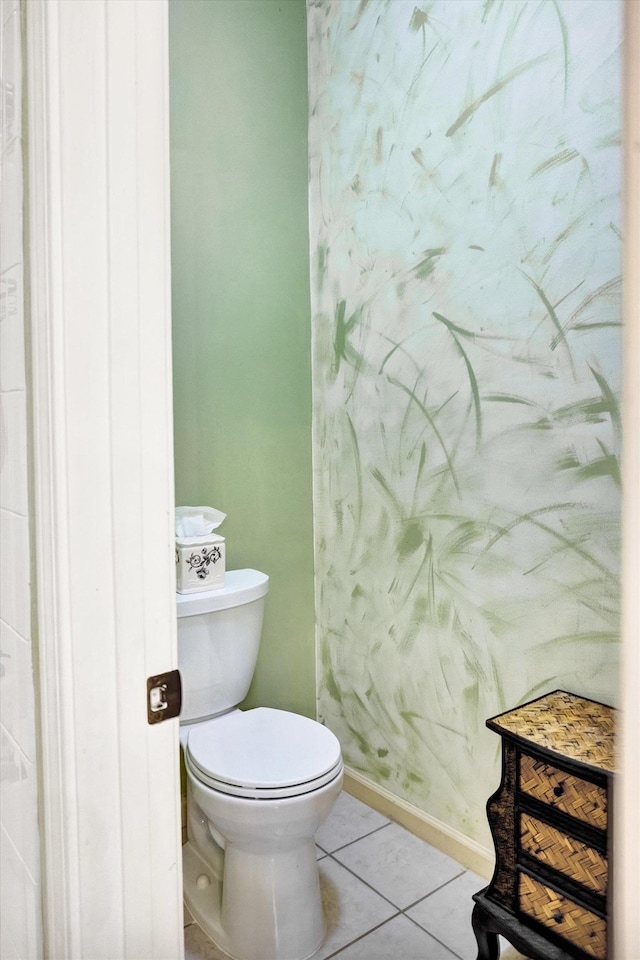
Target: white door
{"type": "Point", "coordinates": [97, 79]}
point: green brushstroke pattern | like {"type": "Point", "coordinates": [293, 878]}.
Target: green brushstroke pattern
{"type": "Point", "coordinates": [467, 372]}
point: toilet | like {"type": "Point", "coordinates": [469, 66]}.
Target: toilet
{"type": "Point", "coordinates": [260, 783]}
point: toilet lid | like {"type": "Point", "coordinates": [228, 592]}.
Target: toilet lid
{"type": "Point", "coordinates": [263, 752]}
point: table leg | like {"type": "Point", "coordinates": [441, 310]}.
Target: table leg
{"type": "Point", "coordinates": [488, 943]}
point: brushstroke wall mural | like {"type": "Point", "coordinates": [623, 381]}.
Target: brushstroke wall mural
{"type": "Point", "coordinates": [465, 247]}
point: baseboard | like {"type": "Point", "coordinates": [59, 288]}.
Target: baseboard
{"type": "Point", "coordinates": [469, 853]}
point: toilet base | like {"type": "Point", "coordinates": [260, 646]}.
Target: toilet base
{"type": "Point", "coordinates": [252, 888]}
{"type": "Point", "coordinates": [203, 901]}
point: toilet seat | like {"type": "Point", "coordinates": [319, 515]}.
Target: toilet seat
{"type": "Point", "coordinates": [263, 754]}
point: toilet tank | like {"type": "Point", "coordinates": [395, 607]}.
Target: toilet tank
{"type": "Point", "coordinates": [218, 640]}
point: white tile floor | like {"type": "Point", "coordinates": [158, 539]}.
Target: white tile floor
{"type": "Point", "coordinates": [387, 895]}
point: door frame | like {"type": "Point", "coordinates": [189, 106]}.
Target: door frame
{"type": "Point", "coordinates": [626, 820]}
{"type": "Point", "coordinates": [100, 329]}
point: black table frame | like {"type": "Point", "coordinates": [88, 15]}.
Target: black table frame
{"type": "Point", "coordinates": [489, 919]}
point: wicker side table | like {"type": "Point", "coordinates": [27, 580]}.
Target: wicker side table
{"type": "Point", "coordinates": [551, 826]}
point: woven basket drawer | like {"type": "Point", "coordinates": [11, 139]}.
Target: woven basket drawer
{"type": "Point", "coordinates": [563, 853]}
{"type": "Point", "coordinates": [579, 798]}
{"type": "Point", "coordinates": [566, 918]}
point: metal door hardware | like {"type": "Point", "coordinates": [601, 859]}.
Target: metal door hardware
{"type": "Point", "coordinates": [164, 696]}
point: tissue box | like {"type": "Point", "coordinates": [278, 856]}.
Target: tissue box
{"type": "Point", "coordinates": [200, 563]}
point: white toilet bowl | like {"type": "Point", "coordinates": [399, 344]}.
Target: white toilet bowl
{"type": "Point", "coordinates": [260, 784]}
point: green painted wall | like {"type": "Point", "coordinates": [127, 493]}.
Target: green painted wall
{"type": "Point", "coordinates": [241, 314]}
{"type": "Point", "coordinates": [466, 260]}
{"type": "Point", "coordinates": [465, 283]}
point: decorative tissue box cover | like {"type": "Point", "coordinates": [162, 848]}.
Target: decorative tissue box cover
{"type": "Point", "coordinates": [200, 564]}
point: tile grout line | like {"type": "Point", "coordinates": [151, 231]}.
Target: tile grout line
{"type": "Point", "coordinates": [365, 882]}
{"type": "Point", "coordinates": [400, 910]}
{"type": "Point", "coordinates": [435, 890]}
{"type": "Point", "coordinates": [362, 936]}
{"type": "Point", "coordinates": [409, 906]}
{"type": "Point", "coordinates": [433, 936]}
{"type": "Point", "coordinates": [426, 930]}
{"type": "Point", "coordinates": [379, 926]}
{"type": "Point", "coordinates": [330, 853]}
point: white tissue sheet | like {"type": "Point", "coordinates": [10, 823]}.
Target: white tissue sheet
{"type": "Point", "coordinates": [197, 522]}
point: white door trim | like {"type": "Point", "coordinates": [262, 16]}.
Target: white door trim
{"type": "Point", "coordinates": [627, 824]}
{"type": "Point", "coordinates": [99, 279]}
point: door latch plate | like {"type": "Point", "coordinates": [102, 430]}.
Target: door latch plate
{"type": "Point", "coordinates": [164, 696]}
